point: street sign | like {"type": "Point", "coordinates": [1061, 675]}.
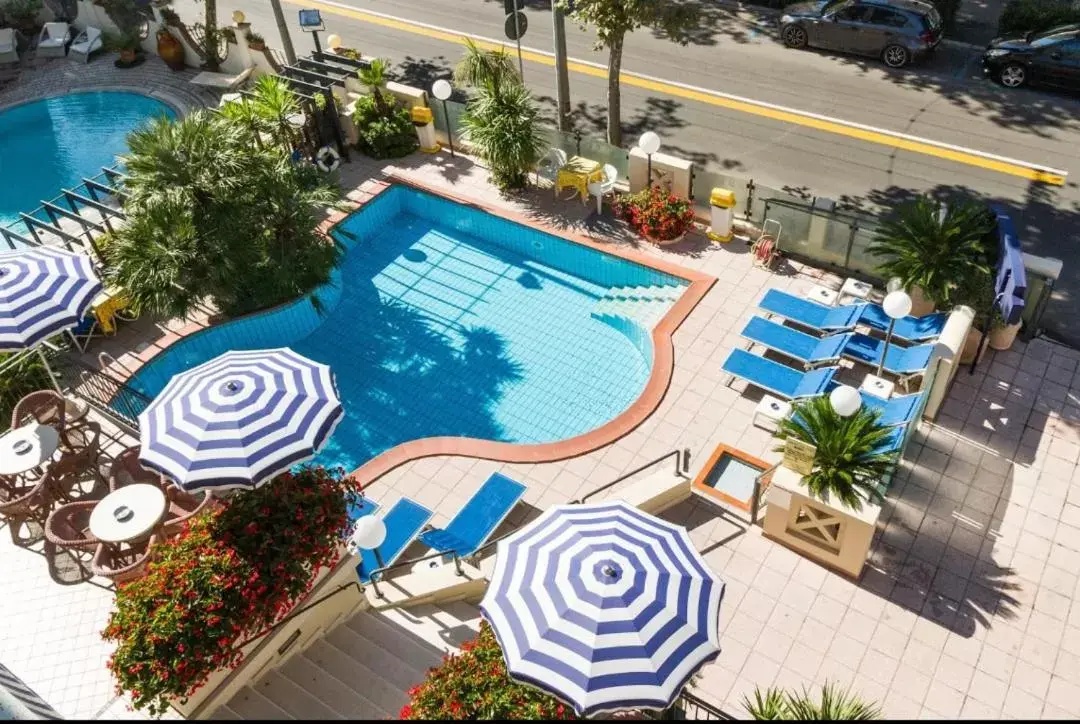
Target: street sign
{"type": "Point", "coordinates": [516, 25]}
{"type": "Point", "coordinates": [311, 21]}
{"type": "Point", "coordinates": [799, 456]}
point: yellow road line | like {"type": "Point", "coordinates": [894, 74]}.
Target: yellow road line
{"type": "Point", "coordinates": [881, 137]}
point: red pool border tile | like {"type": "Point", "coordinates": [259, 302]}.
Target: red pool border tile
{"type": "Point", "coordinates": [639, 411]}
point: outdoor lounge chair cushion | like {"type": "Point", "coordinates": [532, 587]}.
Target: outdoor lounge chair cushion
{"type": "Point", "coordinates": [798, 345]}
{"type": "Point", "coordinates": [7, 40]}
{"type": "Point", "coordinates": [478, 519]}
{"type": "Point", "coordinates": [405, 519]}
{"type": "Point", "coordinates": [910, 329]}
{"type": "Point", "coordinates": [54, 35]}
{"type": "Point", "coordinates": [809, 313]}
{"type": "Point", "coordinates": [898, 360]}
{"type": "Point", "coordinates": [897, 410]}
{"type": "Point", "coordinates": [776, 378]}
{"type": "Point", "coordinates": [87, 42]}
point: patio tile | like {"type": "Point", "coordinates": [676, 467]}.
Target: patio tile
{"type": "Point", "coordinates": [1064, 695]}
{"type": "Point", "coordinates": [996, 663]}
{"type": "Point", "coordinates": [846, 651]}
{"type": "Point", "coordinates": [879, 668]}
{"type": "Point", "coordinates": [987, 689]}
{"type": "Point", "coordinates": [954, 672]}
{"type": "Point", "coordinates": [1031, 679]}
{"type": "Point", "coordinates": [858, 626]}
{"type": "Point", "coordinates": [898, 706]}
{"type": "Point", "coordinates": [944, 699]}
{"type": "Point", "coordinates": [804, 660]}
{"type": "Point", "coordinates": [976, 710]}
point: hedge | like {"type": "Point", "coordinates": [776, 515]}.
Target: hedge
{"type": "Point", "coordinates": [1022, 16]}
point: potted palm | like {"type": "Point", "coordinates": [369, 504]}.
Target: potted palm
{"type": "Point", "coordinates": [847, 465]}
{"type": "Point", "coordinates": [255, 41]}
{"type": "Point", "coordinates": [128, 44]}
{"type": "Point", "coordinates": [932, 248]}
{"type": "Point", "coordinates": [834, 705]}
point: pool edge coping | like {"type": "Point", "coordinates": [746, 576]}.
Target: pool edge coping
{"type": "Point", "coordinates": [663, 367]}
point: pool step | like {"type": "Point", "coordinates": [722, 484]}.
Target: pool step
{"type": "Point", "coordinates": [644, 305]}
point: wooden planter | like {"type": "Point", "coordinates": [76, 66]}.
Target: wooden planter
{"type": "Point", "coordinates": [920, 304]}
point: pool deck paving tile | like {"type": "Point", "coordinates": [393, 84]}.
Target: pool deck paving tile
{"type": "Point", "coordinates": [965, 608]}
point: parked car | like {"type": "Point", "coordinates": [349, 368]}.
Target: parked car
{"type": "Point", "coordinates": [897, 31]}
{"type": "Point", "coordinates": [1048, 58]}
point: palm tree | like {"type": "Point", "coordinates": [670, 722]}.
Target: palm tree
{"type": "Point", "coordinates": [374, 77]}
{"type": "Point", "coordinates": [502, 128]}
{"type": "Point", "coordinates": [210, 39]}
{"type": "Point", "coordinates": [209, 216]}
{"type": "Point", "coordinates": [491, 69]}
{"type": "Point", "coordinates": [847, 464]}
{"type": "Point", "coordinates": [834, 705]}
{"type": "Point", "coordinates": [934, 247]}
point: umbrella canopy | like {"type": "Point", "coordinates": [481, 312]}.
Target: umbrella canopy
{"type": "Point", "coordinates": [239, 419]}
{"type": "Point", "coordinates": [603, 606]}
{"type": "Point", "coordinates": [42, 291]}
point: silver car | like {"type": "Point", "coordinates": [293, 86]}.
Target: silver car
{"type": "Point", "coordinates": [897, 31]}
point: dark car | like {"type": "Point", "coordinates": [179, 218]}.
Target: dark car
{"type": "Point", "coordinates": [897, 31]}
{"type": "Point", "coordinates": [1048, 58]}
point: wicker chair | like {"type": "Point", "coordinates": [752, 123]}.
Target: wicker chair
{"type": "Point", "coordinates": [68, 528]}
{"type": "Point", "coordinates": [183, 506]}
{"type": "Point", "coordinates": [25, 503]}
{"type": "Point", "coordinates": [45, 406]}
{"type": "Point", "coordinates": [127, 470]}
{"type": "Point", "coordinates": [80, 454]}
{"type": "Point", "coordinates": [121, 566]}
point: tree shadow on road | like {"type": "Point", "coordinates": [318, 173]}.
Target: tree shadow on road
{"type": "Point", "coordinates": [422, 72]}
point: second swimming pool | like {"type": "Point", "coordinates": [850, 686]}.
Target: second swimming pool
{"type": "Point", "coordinates": [444, 320]}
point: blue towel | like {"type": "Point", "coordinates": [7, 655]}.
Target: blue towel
{"type": "Point", "coordinates": [811, 314]}
{"type": "Point", "coordinates": [478, 519]}
{"type": "Point", "coordinates": [793, 343]}
{"type": "Point", "coordinates": [899, 360]}
{"type": "Point", "coordinates": [403, 521]}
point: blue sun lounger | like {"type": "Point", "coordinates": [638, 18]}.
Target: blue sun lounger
{"type": "Point", "coordinates": [910, 329]}
{"type": "Point", "coordinates": [898, 410]}
{"type": "Point", "coordinates": [478, 519]}
{"type": "Point", "coordinates": [893, 442]}
{"type": "Point", "coordinates": [780, 380]}
{"type": "Point", "coordinates": [898, 360]}
{"type": "Point", "coordinates": [811, 314]}
{"type": "Point", "coordinates": [805, 348]}
{"type": "Point", "coordinates": [404, 521]}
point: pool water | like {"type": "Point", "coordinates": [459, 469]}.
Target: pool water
{"type": "Point", "coordinates": [51, 144]}
{"type": "Point", "coordinates": [446, 320]}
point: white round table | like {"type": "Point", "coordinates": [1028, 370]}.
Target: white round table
{"type": "Point", "coordinates": [27, 447]}
{"type": "Point", "coordinates": [128, 513]}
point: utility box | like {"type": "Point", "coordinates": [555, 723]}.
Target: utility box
{"type": "Point", "coordinates": [722, 203]}
{"type": "Point", "coordinates": [423, 121]}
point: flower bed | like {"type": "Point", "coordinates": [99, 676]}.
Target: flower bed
{"type": "Point", "coordinates": [656, 214]}
{"type": "Point", "coordinates": [227, 577]}
{"type": "Point", "coordinates": [474, 685]}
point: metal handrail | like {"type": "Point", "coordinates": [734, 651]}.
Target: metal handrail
{"type": "Point", "coordinates": [690, 708]}
{"type": "Point", "coordinates": [412, 561]}
{"type": "Point", "coordinates": [755, 503]}
{"type": "Point", "coordinates": [682, 466]}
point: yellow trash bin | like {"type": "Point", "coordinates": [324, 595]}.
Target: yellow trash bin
{"type": "Point", "coordinates": [423, 120]}
{"type": "Point", "coordinates": [722, 202]}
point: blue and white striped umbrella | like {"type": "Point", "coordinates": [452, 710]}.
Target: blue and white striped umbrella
{"type": "Point", "coordinates": [603, 606]}
{"type": "Point", "coordinates": [42, 291]}
{"type": "Point", "coordinates": [239, 419]}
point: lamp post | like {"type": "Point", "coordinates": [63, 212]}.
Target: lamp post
{"type": "Point", "coordinates": [650, 144]}
{"type": "Point", "coordinates": [897, 305]}
{"type": "Point", "coordinates": [442, 90]}
{"type": "Point", "coordinates": [368, 534]}
{"type": "Point", "coordinates": [845, 400]}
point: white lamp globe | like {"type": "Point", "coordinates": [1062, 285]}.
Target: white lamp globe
{"type": "Point", "coordinates": [649, 142]}
{"type": "Point", "coordinates": [238, 16]}
{"type": "Point", "coordinates": [441, 89]}
{"type": "Point", "coordinates": [333, 41]}
{"type": "Point", "coordinates": [897, 304]}
{"type": "Point", "coordinates": [845, 400]}
{"type": "Point", "coordinates": [368, 533]}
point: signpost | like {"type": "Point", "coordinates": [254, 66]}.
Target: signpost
{"type": "Point", "coordinates": [311, 22]}
{"type": "Point", "coordinates": [515, 26]}
{"type": "Point", "coordinates": [799, 456]}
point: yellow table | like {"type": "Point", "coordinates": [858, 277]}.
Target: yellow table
{"type": "Point", "coordinates": [576, 174]}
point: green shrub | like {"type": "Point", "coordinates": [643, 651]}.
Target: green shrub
{"type": "Point", "coordinates": [383, 136]}
{"type": "Point", "coordinates": [1022, 16]}
{"type": "Point", "coordinates": [25, 376]}
{"type": "Point", "coordinates": [21, 13]}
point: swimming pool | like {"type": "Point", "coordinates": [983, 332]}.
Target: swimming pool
{"type": "Point", "coordinates": [444, 320]}
{"type": "Point", "coordinates": [51, 144]}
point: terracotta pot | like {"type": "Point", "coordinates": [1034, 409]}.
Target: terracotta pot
{"type": "Point", "coordinates": [170, 50]}
{"type": "Point", "coordinates": [920, 304]}
{"type": "Point", "coordinates": [127, 56]}
{"type": "Point", "coordinates": [666, 242]}
{"type": "Point", "coordinates": [259, 47]}
{"type": "Point", "coordinates": [1002, 338]}
{"type": "Point", "coordinates": [971, 344]}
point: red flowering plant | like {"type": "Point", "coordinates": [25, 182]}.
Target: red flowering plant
{"type": "Point", "coordinates": [231, 573]}
{"type": "Point", "coordinates": [656, 214]}
{"type": "Point", "coordinates": [474, 685]}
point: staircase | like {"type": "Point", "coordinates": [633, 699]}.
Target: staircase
{"type": "Point", "coordinates": [360, 670]}
{"type": "Point", "coordinates": [644, 305]}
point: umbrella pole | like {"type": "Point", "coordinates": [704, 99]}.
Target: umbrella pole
{"type": "Point", "coordinates": [52, 375]}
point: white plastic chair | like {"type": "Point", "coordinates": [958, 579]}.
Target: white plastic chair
{"type": "Point", "coordinates": [604, 186]}
{"type": "Point", "coordinates": [53, 41]}
{"type": "Point", "coordinates": [549, 165]}
{"type": "Point", "coordinates": [86, 43]}
{"type": "Point", "coordinates": [9, 52]}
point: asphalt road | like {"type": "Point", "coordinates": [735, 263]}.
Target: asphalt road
{"type": "Point", "coordinates": [736, 52]}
